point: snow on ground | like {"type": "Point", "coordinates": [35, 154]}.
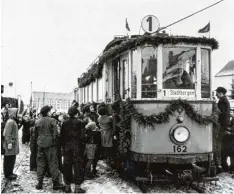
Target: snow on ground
{"type": "Point", "coordinates": [105, 183]}
{"type": "Point", "coordinates": [225, 185]}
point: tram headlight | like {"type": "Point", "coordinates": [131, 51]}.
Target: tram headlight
{"type": "Point", "coordinates": [181, 134]}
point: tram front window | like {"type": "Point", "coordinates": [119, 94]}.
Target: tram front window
{"type": "Point", "coordinates": [149, 72]}
{"type": "Point", "coordinates": [179, 68]}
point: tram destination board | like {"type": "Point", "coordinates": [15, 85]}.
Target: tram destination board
{"type": "Point", "coordinates": [179, 93]}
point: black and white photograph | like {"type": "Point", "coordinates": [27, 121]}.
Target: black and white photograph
{"type": "Point", "coordinates": [117, 96]}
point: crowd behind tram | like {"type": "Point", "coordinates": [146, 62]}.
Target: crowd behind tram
{"type": "Point", "coordinates": [71, 144]}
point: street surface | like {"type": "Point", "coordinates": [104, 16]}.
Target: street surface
{"type": "Point", "coordinates": [105, 183]}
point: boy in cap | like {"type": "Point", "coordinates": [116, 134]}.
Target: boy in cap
{"type": "Point", "coordinates": [46, 134]}
{"type": "Point", "coordinates": [224, 119]}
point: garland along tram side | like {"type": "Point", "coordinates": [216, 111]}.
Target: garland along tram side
{"type": "Point", "coordinates": [169, 118]}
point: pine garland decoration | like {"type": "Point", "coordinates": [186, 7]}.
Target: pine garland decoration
{"type": "Point", "coordinates": [129, 111]}
{"type": "Point", "coordinates": [116, 47]}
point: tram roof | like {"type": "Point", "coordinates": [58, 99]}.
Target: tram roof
{"type": "Point", "coordinates": [121, 44]}
{"type": "Point", "coordinates": [163, 39]}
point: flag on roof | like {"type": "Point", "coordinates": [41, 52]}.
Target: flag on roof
{"type": "Point", "coordinates": [127, 26]}
{"type": "Point", "coordinates": [205, 29]}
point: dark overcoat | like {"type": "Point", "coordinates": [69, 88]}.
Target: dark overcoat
{"type": "Point", "coordinates": [224, 116]}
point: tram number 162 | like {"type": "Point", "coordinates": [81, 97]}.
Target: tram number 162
{"type": "Point", "coordinates": [179, 148]}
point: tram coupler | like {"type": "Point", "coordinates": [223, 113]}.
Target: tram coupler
{"type": "Point", "coordinates": [185, 177]}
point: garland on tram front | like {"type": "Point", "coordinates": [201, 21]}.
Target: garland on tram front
{"type": "Point", "coordinates": [128, 111]}
{"type": "Point", "coordinates": [95, 72]}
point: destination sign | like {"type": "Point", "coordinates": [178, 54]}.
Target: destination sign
{"type": "Point", "coordinates": [179, 93]}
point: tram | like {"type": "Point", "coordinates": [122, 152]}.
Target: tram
{"type": "Point", "coordinates": [165, 83]}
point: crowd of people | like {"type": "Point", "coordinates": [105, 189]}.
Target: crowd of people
{"type": "Point", "coordinates": [69, 144]}
{"type": "Point", "coordinates": [72, 144]}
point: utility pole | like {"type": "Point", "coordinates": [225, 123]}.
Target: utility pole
{"type": "Point", "coordinates": [31, 96]}
{"type": "Point", "coordinates": [44, 96]}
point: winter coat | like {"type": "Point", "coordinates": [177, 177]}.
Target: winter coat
{"type": "Point", "coordinates": [5, 114]}
{"type": "Point", "coordinates": [46, 132]}
{"type": "Point", "coordinates": [105, 123]}
{"type": "Point", "coordinates": [11, 134]}
{"type": "Point", "coordinates": [72, 134]}
{"type": "Point", "coordinates": [224, 116]}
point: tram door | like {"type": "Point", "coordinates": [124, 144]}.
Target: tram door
{"type": "Point", "coordinates": [116, 78]}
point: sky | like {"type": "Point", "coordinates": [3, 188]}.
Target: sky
{"type": "Point", "coordinates": [52, 42]}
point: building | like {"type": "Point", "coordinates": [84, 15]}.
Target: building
{"type": "Point", "coordinates": [225, 77]}
{"type": "Point", "coordinates": [60, 101]}
{"type": "Point", "coordinates": [76, 94]}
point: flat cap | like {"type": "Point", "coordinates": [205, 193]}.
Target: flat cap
{"type": "Point", "coordinates": [72, 111]}
{"type": "Point", "coordinates": [45, 109]}
{"type": "Point", "coordinates": [221, 89]}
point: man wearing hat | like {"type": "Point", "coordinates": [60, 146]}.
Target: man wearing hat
{"type": "Point", "coordinates": [46, 135]}
{"type": "Point", "coordinates": [224, 119]}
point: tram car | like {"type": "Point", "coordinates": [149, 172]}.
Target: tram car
{"type": "Point", "coordinates": [165, 85]}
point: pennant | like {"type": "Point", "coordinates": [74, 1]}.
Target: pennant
{"type": "Point", "coordinates": [205, 29]}
{"type": "Point", "coordinates": [127, 26]}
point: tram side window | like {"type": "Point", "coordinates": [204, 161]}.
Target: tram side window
{"type": "Point", "coordinates": [95, 91]}
{"type": "Point", "coordinates": [205, 73]}
{"type": "Point", "coordinates": [134, 74]}
{"type": "Point", "coordinates": [87, 96]}
{"type": "Point", "coordinates": [149, 72]}
{"type": "Point", "coordinates": [100, 89]}
{"type": "Point", "coordinates": [125, 78]}
{"type": "Point", "coordinates": [116, 78]}
{"type": "Point", "coordinates": [84, 95]}
{"type": "Point", "coordinates": [179, 68]}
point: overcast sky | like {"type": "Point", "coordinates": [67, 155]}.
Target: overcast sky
{"type": "Point", "coordinates": [52, 42]}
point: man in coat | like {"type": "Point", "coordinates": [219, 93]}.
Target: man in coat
{"type": "Point", "coordinates": [72, 139]}
{"type": "Point", "coordinates": [224, 120]}
{"type": "Point", "coordinates": [46, 135]}
{"type": "Point", "coordinates": [11, 144]}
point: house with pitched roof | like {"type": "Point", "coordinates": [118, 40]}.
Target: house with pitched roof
{"type": "Point", "coordinates": [225, 77]}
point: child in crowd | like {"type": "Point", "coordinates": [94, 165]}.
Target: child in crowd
{"type": "Point", "coordinates": [105, 123]}
{"type": "Point", "coordinates": [93, 136]}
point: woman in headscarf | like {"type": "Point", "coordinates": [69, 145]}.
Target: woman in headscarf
{"type": "Point", "coordinates": [11, 144]}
